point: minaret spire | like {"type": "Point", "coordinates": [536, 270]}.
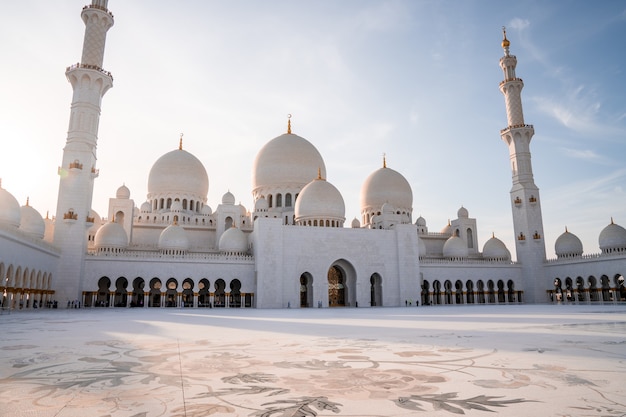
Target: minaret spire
{"type": "Point", "coordinates": [525, 201]}
{"type": "Point", "coordinates": [78, 168]}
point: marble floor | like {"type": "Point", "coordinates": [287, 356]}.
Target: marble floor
{"type": "Point", "coordinates": [546, 360]}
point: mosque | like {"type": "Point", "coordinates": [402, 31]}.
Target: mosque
{"type": "Point", "coordinates": [293, 249]}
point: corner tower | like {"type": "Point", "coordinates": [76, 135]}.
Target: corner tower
{"type": "Point", "coordinates": [78, 168]}
{"type": "Point", "coordinates": [525, 200]}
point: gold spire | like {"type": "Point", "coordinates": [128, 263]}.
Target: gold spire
{"type": "Point", "coordinates": [27, 201]}
{"type": "Point", "coordinates": [493, 235]}
{"type": "Point", "coordinates": [180, 142]}
{"type": "Point", "coordinates": [289, 124]}
{"type": "Point", "coordinates": [612, 220]}
{"type": "Point", "coordinates": [505, 41]}
{"type": "Point", "coordinates": [319, 173]}
{"type": "Point", "coordinates": [384, 160]}
{"type": "Point", "coordinates": [566, 231]}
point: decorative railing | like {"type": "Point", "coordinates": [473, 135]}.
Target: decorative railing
{"type": "Point", "coordinates": [586, 257]}
{"type": "Point", "coordinates": [506, 129]}
{"type": "Point", "coordinates": [463, 261]}
{"type": "Point", "coordinates": [91, 67]}
{"type": "Point", "coordinates": [96, 6]}
{"type": "Point", "coordinates": [144, 254]}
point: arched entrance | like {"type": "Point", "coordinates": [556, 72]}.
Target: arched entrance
{"type": "Point", "coordinates": [204, 299]}
{"type": "Point", "coordinates": [188, 292]}
{"type": "Point", "coordinates": [220, 293]}
{"type": "Point", "coordinates": [120, 292]}
{"type": "Point", "coordinates": [306, 290]}
{"type": "Point", "coordinates": [155, 292]}
{"type": "Point", "coordinates": [376, 290]}
{"type": "Point", "coordinates": [336, 287]}
{"type": "Point", "coordinates": [235, 294]}
{"type": "Point", "coordinates": [341, 284]}
{"type": "Point", "coordinates": [103, 298]}
{"type": "Point", "coordinates": [170, 293]}
{"type": "Point", "coordinates": [426, 293]}
{"type": "Point", "coordinates": [469, 285]}
{"type": "Point", "coordinates": [137, 300]}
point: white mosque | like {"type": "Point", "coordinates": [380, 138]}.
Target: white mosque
{"type": "Point", "coordinates": [293, 248]}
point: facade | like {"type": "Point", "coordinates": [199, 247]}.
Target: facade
{"type": "Point", "coordinates": [293, 248]}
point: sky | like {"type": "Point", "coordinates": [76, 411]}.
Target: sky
{"type": "Point", "coordinates": [416, 81]}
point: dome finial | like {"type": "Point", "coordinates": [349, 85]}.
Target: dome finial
{"type": "Point", "coordinates": [289, 124]}
{"type": "Point", "coordinates": [566, 231]}
{"type": "Point", "coordinates": [384, 160]}
{"type": "Point", "coordinates": [505, 41]}
{"type": "Point", "coordinates": [612, 220]}
{"type": "Point", "coordinates": [319, 173]}
{"type": "Point", "coordinates": [27, 201]}
{"type": "Point", "coordinates": [180, 143]}
{"type": "Point", "coordinates": [493, 235]}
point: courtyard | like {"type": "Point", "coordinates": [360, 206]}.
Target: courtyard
{"type": "Point", "coordinates": [515, 360]}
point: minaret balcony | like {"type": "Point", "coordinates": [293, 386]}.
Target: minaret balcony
{"type": "Point", "coordinates": [521, 238]}
{"type": "Point", "coordinates": [520, 126]}
{"type": "Point", "coordinates": [90, 67]}
{"type": "Point", "coordinates": [532, 200]}
{"type": "Point", "coordinates": [97, 6]}
{"type": "Point", "coordinates": [76, 165]}
{"type": "Point", "coordinates": [511, 79]}
{"type": "Point", "coordinates": [70, 217]}
{"type": "Point", "coordinates": [517, 201]}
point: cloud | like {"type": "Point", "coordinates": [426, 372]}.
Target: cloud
{"type": "Point", "coordinates": [586, 154]}
{"type": "Point", "coordinates": [519, 24]}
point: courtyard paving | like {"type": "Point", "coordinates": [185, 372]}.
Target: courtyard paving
{"type": "Point", "coordinates": [523, 360]}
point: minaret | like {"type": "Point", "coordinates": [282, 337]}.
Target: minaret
{"type": "Point", "coordinates": [78, 169]}
{"type": "Point", "coordinates": [525, 200]}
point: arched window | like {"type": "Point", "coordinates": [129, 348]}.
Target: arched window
{"type": "Point", "coordinates": [279, 200]}
{"type": "Point", "coordinates": [184, 204]}
{"type": "Point", "coordinates": [169, 202]}
{"type": "Point", "coordinates": [288, 200]}
{"type": "Point", "coordinates": [270, 200]}
{"type": "Point", "coordinates": [470, 238]}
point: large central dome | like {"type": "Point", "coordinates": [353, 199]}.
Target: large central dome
{"type": "Point", "coordinates": [287, 160]}
{"type": "Point", "coordinates": [178, 172]}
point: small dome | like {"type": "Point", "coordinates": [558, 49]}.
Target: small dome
{"type": "Point", "coordinates": [146, 207]}
{"type": "Point", "coordinates": [178, 173]}
{"type": "Point", "coordinates": [612, 238]}
{"type": "Point", "coordinates": [495, 249]}
{"type": "Point", "coordinates": [420, 221]}
{"type": "Point", "coordinates": [9, 209]}
{"type": "Point", "coordinates": [242, 210]}
{"type": "Point", "coordinates": [206, 210]}
{"type": "Point", "coordinates": [123, 193]}
{"type": "Point", "coordinates": [455, 247]}
{"type": "Point", "coordinates": [112, 236]}
{"type": "Point", "coordinates": [447, 229]}
{"type": "Point", "coordinates": [228, 198]}
{"type": "Point", "coordinates": [386, 186]}
{"type": "Point", "coordinates": [568, 245]}
{"type": "Point", "coordinates": [31, 222]}
{"type": "Point", "coordinates": [286, 160]}
{"type": "Point", "coordinates": [261, 204]}
{"type": "Point", "coordinates": [233, 240]}
{"type": "Point", "coordinates": [319, 199]}
{"type": "Point", "coordinates": [174, 237]}
{"type": "Point", "coordinates": [356, 224]}
{"type": "Point", "coordinates": [462, 213]}
{"type": "Point", "coordinates": [388, 209]}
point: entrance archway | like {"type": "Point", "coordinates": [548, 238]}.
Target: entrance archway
{"type": "Point", "coordinates": [155, 292]}
{"type": "Point", "coordinates": [341, 284]}
{"type": "Point", "coordinates": [204, 299]}
{"type": "Point", "coordinates": [376, 290]}
{"type": "Point", "coordinates": [120, 292]}
{"type": "Point", "coordinates": [306, 290]}
{"type": "Point", "coordinates": [187, 293]}
{"type": "Point", "coordinates": [137, 300]}
{"type": "Point", "coordinates": [336, 287]}
{"type": "Point", "coordinates": [220, 293]}
{"type": "Point", "coordinates": [104, 296]}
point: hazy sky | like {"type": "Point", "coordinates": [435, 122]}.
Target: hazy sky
{"type": "Point", "coordinates": [416, 80]}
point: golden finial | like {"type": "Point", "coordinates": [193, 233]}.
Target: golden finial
{"type": "Point", "coordinates": [505, 41]}
{"type": "Point", "coordinates": [180, 142]}
{"type": "Point", "coordinates": [566, 231]}
{"type": "Point", "coordinates": [612, 220]}
{"type": "Point", "coordinates": [27, 201]}
{"type": "Point", "coordinates": [384, 160]}
{"type": "Point", "coordinates": [319, 173]}
{"type": "Point", "coordinates": [289, 124]}
{"type": "Point", "coordinates": [493, 235]}
{"type": "Point", "coordinates": [47, 214]}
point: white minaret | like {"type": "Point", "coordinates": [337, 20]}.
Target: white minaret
{"type": "Point", "coordinates": [525, 200]}
{"type": "Point", "coordinates": [78, 170]}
